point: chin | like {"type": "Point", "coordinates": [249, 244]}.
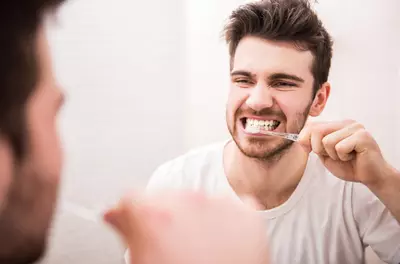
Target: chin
{"type": "Point", "coordinates": [270, 149]}
{"type": "Point", "coordinates": [29, 253]}
{"type": "Point", "coordinates": [21, 245]}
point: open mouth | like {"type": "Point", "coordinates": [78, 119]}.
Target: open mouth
{"type": "Point", "coordinates": [253, 126]}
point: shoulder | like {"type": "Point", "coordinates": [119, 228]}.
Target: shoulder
{"type": "Point", "coordinates": [184, 169]}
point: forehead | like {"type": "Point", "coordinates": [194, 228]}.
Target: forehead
{"type": "Point", "coordinates": [262, 56]}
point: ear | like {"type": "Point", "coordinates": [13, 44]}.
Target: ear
{"type": "Point", "coordinates": [320, 100]}
{"type": "Point", "coordinates": [6, 170]}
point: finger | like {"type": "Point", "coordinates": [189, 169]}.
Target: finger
{"type": "Point", "coordinates": [345, 149]}
{"type": "Point", "coordinates": [356, 143]}
{"type": "Point", "coordinates": [305, 135]}
{"type": "Point", "coordinates": [176, 200]}
{"type": "Point", "coordinates": [330, 127]}
{"type": "Point", "coordinates": [195, 197]}
{"type": "Point", "coordinates": [316, 143]}
{"type": "Point", "coordinates": [320, 130]}
{"type": "Point", "coordinates": [126, 217]}
{"type": "Point", "coordinates": [304, 138]}
{"type": "Point", "coordinates": [330, 141]}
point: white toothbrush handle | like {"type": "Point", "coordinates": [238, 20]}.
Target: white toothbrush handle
{"type": "Point", "coordinates": [81, 211]}
{"type": "Point", "coordinates": [289, 136]}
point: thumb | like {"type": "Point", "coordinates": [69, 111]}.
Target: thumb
{"type": "Point", "coordinates": [304, 139]}
{"type": "Point", "coordinates": [125, 218]}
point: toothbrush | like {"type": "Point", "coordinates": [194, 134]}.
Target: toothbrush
{"type": "Point", "coordinates": [256, 130]}
{"type": "Point", "coordinates": [82, 212]}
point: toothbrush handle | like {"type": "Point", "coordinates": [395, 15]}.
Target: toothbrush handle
{"type": "Point", "coordinates": [289, 136]}
{"type": "Point", "coordinates": [81, 211]}
{"type": "Point", "coordinates": [293, 137]}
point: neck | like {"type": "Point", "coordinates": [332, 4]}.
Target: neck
{"type": "Point", "coordinates": [270, 182]}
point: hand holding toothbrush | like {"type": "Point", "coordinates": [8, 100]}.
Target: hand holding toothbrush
{"type": "Point", "coordinates": [181, 228]}
{"type": "Point", "coordinates": [350, 153]}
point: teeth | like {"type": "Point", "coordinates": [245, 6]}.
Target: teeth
{"type": "Point", "coordinates": [253, 125]}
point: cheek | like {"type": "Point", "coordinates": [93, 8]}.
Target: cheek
{"type": "Point", "coordinates": [292, 104]}
{"type": "Point", "coordinates": [45, 148]}
{"type": "Point", "coordinates": [236, 98]}
{"type": "Point", "coordinates": [6, 170]}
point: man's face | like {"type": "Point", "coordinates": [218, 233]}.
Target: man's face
{"type": "Point", "coordinates": [271, 89]}
{"type": "Point", "coordinates": [29, 189]}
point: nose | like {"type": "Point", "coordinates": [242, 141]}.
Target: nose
{"type": "Point", "coordinates": [260, 98]}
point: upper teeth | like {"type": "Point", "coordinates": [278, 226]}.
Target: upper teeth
{"type": "Point", "coordinates": [263, 124]}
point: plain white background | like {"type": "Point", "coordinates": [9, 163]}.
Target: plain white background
{"type": "Point", "coordinates": [147, 80]}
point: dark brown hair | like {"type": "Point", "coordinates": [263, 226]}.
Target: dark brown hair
{"type": "Point", "coordinates": [283, 20]}
{"type": "Point", "coordinates": [19, 24]}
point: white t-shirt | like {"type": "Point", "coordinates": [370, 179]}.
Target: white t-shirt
{"type": "Point", "coordinates": [326, 220]}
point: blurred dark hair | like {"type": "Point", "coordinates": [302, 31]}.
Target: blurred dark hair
{"type": "Point", "coordinates": [19, 24]}
{"type": "Point", "coordinates": [283, 20]}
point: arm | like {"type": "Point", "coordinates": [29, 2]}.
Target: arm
{"type": "Point", "coordinates": [374, 208]}
{"type": "Point", "coordinates": [387, 189]}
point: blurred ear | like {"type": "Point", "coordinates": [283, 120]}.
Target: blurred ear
{"type": "Point", "coordinates": [6, 170]}
{"type": "Point", "coordinates": [320, 100]}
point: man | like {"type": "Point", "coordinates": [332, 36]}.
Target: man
{"type": "Point", "coordinates": [326, 197]}
{"type": "Point", "coordinates": [31, 155]}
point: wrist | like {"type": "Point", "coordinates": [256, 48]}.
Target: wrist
{"type": "Point", "coordinates": [383, 178]}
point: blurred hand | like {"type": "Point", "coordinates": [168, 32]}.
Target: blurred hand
{"type": "Point", "coordinates": [182, 228]}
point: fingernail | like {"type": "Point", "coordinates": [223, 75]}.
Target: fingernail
{"type": "Point", "coordinates": [110, 218]}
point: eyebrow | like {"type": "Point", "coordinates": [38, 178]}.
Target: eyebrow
{"type": "Point", "coordinates": [242, 73]}
{"type": "Point", "coordinates": [277, 76]}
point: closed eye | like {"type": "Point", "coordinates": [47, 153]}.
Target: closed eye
{"type": "Point", "coordinates": [242, 81]}
{"type": "Point", "coordinates": [283, 84]}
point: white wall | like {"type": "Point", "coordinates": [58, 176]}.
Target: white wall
{"type": "Point", "coordinates": [207, 76]}
{"type": "Point", "coordinates": [128, 66]}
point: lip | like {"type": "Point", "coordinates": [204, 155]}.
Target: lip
{"type": "Point", "coordinates": [262, 118]}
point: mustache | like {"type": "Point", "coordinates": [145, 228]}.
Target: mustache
{"type": "Point", "coordinates": [263, 112]}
